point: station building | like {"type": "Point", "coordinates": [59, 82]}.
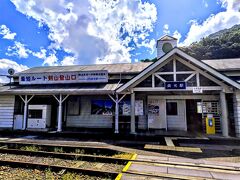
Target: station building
{"type": "Point", "coordinates": [177, 93]}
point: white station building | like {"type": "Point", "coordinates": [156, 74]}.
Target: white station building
{"type": "Point", "coordinates": [175, 94]}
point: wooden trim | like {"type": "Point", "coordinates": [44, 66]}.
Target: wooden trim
{"type": "Point", "coordinates": [189, 77]}
{"type": "Point", "coordinates": [198, 79]}
{"type": "Point", "coordinates": [150, 69]}
{"type": "Point", "coordinates": [122, 97]}
{"type": "Point", "coordinates": [203, 73]}
{"type": "Point", "coordinates": [178, 72]}
{"type": "Point", "coordinates": [147, 70]}
{"type": "Point", "coordinates": [112, 98]}
{"type": "Point", "coordinates": [209, 69]}
{"type": "Point", "coordinates": [205, 88]}
{"type": "Point", "coordinates": [153, 80]}
{"type": "Point", "coordinates": [174, 70]}
{"type": "Point", "coordinates": [159, 77]}
{"type": "Point", "coordinates": [176, 97]}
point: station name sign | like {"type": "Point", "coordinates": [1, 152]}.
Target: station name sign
{"type": "Point", "coordinates": [175, 85]}
{"type": "Point", "coordinates": [64, 77]}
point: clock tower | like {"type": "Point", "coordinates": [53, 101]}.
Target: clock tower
{"type": "Point", "coordinates": [165, 44]}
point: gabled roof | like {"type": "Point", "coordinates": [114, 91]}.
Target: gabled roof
{"type": "Point", "coordinates": [200, 64]}
{"type": "Point", "coordinates": [166, 38]}
{"type": "Point", "coordinates": [85, 89]}
{"type": "Point", "coordinates": [224, 64]}
{"type": "Point", "coordinates": [126, 68]}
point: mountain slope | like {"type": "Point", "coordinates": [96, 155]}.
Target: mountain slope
{"type": "Point", "coordinates": [222, 44]}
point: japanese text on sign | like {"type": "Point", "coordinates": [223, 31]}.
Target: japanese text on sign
{"type": "Point", "coordinates": [64, 77]}
{"type": "Point", "coordinates": [175, 85]}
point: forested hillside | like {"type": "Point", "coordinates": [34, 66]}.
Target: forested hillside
{"type": "Point", "coordinates": [222, 44]}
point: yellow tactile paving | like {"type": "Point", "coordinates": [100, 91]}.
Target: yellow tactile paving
{"type": "Point", "coordinates": [134, 156]}
{"type": "Point", "coordinates": [173, 148]}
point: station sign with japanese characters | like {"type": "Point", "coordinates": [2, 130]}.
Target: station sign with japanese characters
{"type": "Point", "coordinates": [64, 77]}
{"type": "Point", "coordinates": [175, 85]}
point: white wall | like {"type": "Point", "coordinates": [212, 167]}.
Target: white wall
{"type": "Point", "coordinates": [86, 119]}
{"type": "Point", "coordinates": [6, 111]}
{"type": "Point", "coordinates": [160, 52]}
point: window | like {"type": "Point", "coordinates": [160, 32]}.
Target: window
{"type": "Point", "coordinates": [73, 106]}
{"type": "Point", "coordinates": [18, 106]}
{"type": "Point", "coordinates": [172, 109]}
{"type": "Point", "coordinates": [35, 113]}
{"type": "Point", "coordinates": [102, 107]}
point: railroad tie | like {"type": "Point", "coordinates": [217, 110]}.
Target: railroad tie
{"type": "Point", "coordinates": [99, 165]}
{"type": "Point", "coordinates": [78, 164]}
{"type": "Point", "coordinates": [62, 172]}
{"type": "Point", "coordinates": [4, 147]}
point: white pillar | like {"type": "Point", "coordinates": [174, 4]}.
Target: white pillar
{"type": "Point", "coordinates": [116, 115]}
{"type": "Point", "coordinates": [224, 117]}
{"type": "Point", "coordinates": [25, 113]}
{"type": "Point", "coordinates": [59, 128]}
{"type": "Point", "coordinates": [236, 106]}
{"type": "Point", "coordinates": [133, 128]}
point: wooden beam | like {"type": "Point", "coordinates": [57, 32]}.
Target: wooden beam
{"type": "Point", "coordinates": [176, 97]}
{"type": "Point", "coordinates": [159, 77]}
{"type": "Point", "coordinates": [205, 88]}
{"type": "Point", "coordinates": [209, 69]}
{"type": "Point", "coordinates": [203, 73]}
{"type": "Point", "coordinates": [189, 77]}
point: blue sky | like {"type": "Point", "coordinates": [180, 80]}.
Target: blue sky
{"type": "Point", "coordinates": [42, 33]}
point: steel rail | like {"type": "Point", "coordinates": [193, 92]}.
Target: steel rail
{"type": "Point", "coordinates": [66, 148]}
{"type": "Point", "coordinates": [105, 159]}
{"type": "Point", "coordinates": [69, 156]}
{"type": "Point", "coordinates": [92, 172]}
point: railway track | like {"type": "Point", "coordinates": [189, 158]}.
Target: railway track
{"type": "Point", "coordinates": [14, 149]}
{"type": "Point", "coordinates": [106, 159]}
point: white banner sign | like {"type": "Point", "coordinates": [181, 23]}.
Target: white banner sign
{"type": "Point", "coordinates": [197, 90]}
{"type": "Point", "coordinates": [64, 77]}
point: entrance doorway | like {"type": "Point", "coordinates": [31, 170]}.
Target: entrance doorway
{"type": "Point", "coordinates": [176, 115]}
{"type": "Point", "coordinates": [194, 119]}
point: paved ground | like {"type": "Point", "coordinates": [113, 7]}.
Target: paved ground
{"type": "Point", "coordinates": [177, 158]}
{"type": "Point", "coordinates": [183, 168]}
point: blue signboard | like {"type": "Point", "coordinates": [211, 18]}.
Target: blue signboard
{"type": "Point", "coordinates": [175, 85]}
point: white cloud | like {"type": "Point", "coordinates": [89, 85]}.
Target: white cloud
{"type": "Point", "coordinates": [6, 64]}
{"type": "Point", "coordinates": [41, 54]}
{"type": "Point", "coordinates": [7, 34]}
{"type": "Point", "coordinates": [51, 60]}
{"type": "Point", "coordinates": [166, 29]}
{"type": "Point", "coordinates": [177, 35]}
{"type": "Point", "coordinates": [214, 23]}
{"type": "Point", "coordinates": [68, 60]}
{"type": "Point", "coordinates": [94, 30]}
{"type": "Point", "coordinates": [149, 44]}
{"type": "Point", "coordinates": [18, 50]}
{"type": "Point", "coordinates": [205, 3]}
